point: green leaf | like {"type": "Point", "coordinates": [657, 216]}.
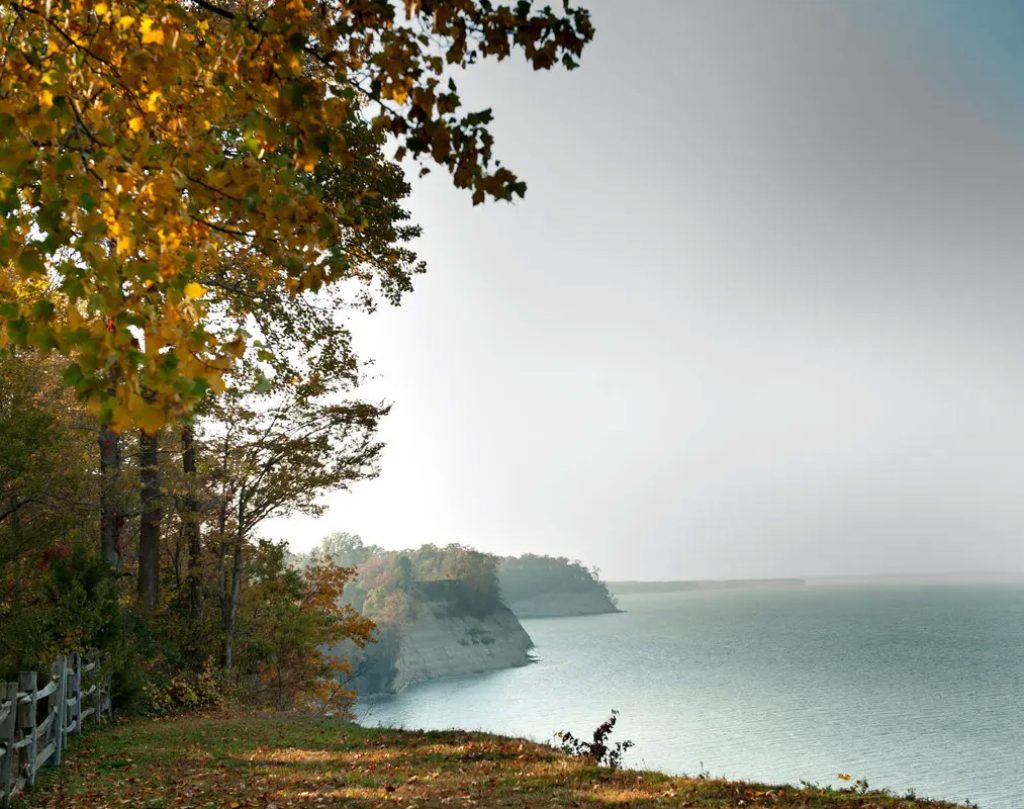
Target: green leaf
{"type": "Point", "coordinates": [73, 375]}
{"type": "Point", "coordinates": [18, 330]}
{"type": "Point", "coordinates": [31, 262]}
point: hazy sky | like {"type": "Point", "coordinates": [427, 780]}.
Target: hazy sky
{"type": "Point", "coordinates": [761, 312]}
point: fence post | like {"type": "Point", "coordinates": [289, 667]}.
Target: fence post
{"type": "Point", "coordinates": [76, 689]}
{"type": "Point", "coordinates": [97, 677]}
{"type": "Point", "coordinates": [60, 672]}
{"type": "Point", "coordinates": [107, 700]}
{"type": "Point", "coordinates": [8, 770]}
{"type": "Point", "coordinates": [20, 726]}
{"type": "Point", "coordinates": [27, 721]}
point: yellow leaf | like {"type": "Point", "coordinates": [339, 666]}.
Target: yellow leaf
{"type": "Point", "coordinates": [153, 102]}
{"type": "Point", "coordinates": [151, 34]}
{"type": "Point", "coordinates": [101, 9]}
{"type": "Point", "coordinates": [194, 290]}
{"type": "Point", "coordinates": [149, 418]}
{"type": "Point", "coordinates": [136, 123]}
{"type": "Point", "coordinates": [46, 99]}
{"type": "Point", "coordinates": [216, 382]}
{"type": "Point", "coordinates": [125, 22]}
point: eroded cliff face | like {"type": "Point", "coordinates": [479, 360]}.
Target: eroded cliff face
{"type": "Point", "coordinates": [438, 644]}
{"type": "Point", "coordinates": [563, 603]}
{"type": "Point", "coordinates": [442, 640]}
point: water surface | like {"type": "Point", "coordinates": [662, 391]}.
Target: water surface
{"type": "Point", "coordinates": [916, 687]}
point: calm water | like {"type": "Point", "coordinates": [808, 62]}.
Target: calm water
{"type": "Point", "coordinates": [913, 686]}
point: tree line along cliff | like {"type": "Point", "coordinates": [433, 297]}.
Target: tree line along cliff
{"type": "Point", "coordinates": [443, 611]}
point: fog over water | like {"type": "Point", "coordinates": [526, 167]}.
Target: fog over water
{"type": "Point", "coordinates": [759, 314]}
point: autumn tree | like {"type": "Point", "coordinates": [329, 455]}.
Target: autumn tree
{"type": "Point", "coordinates": [145, 141]}
{"type": "Point", "coordinates": [193, 194]}
{"type": "Point", "coordinates": [290, 616]}
{"type": "Point", "coordinates": [46, 489]}
{"type": "Point", "coordinates": [269, 459]}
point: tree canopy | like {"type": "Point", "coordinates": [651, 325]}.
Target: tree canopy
{"type": "Point", "coordinates": [144, 144]}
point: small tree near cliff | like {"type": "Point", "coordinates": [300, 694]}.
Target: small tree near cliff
{"type": "Point", "coordinates": [288, 618]}
{"type": "Point", "coordinates": [273, 458]}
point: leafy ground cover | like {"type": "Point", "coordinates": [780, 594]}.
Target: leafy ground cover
{"type": "Point", "coordinates": [245, 761]}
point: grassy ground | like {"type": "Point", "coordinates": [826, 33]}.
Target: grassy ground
{"type": "Point", "coordinates": [277, 762]}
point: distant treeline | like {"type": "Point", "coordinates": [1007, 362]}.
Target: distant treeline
{"type": "Point", "coordinates": [629, 587]}
{"type": "Point", "coordinates": [529, 576]}
{"type": "Point", "coordinates": [391, 585]}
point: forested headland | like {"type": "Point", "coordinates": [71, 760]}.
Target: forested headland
{"type": "Point", "coordinates": [545, 586]}
{"type": "Point", "coordinates": [444, 610]}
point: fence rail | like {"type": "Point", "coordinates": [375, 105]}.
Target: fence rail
{"type": "Point", "coordinates": [36, 718]}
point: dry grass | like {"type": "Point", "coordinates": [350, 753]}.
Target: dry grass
{"type": "Point", "coordinates": [282, 762]}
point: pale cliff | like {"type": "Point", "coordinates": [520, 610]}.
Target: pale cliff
{"type": "Point", "coordinates": [442, 639]}
{"type": "Point", "coordinates": [563, 603]}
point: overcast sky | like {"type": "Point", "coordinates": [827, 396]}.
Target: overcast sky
{"type": "Point", "coordinates": [761, 312]}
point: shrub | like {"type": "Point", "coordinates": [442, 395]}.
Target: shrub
{"type": "Point", "coordinates": [185, 691]}
{"type": "Point", "coordinates": [599, 751]}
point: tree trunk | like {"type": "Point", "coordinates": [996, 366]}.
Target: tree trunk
{"type": "Point", "coordinates": [190, 528]}
{"type": "Point", "coordinates": [112, 517]}
{"type": "Point", "coordinates": [231, 612]}
{"type": "Point", "coordinates": [149, 522]}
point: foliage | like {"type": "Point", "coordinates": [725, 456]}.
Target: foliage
{"type": "Point", "coordinates": [599, 750]}
{"type": "Point", "coordinates": [194, 194]}
{"type": "Point", "coordinates": [147, 144]}
{"type": "Point", "coordinates": [185, 691]}
{"type": "Point", "coordinates": [390, 584]}
{"type": "Point", "coordinates": [273, 456]}
{"type": "Point", "coordinates": [67, 601]}
{"type": "Point", "coordinates": [290, 617]}
{"type": "Point", "coordinates": [529, 575]}
{"type": "Point", "coordinates": [46, 480]}
{"type": "Point", "coordinates": [58, 594]}
{"type": "Point", "coordinates": [289, 762]}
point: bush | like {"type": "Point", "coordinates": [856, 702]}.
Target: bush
{"type": "Point", "coordinates": [186, 691]}
{"type": "Point", "coordinates": [598, 751]}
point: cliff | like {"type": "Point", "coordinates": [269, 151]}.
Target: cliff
{"type": "Point", "coordinates": [443, 638]}
{"type": "Point", "coordinates": [563, 603]}
{"type": "Point", "coordinates": [548, 587]}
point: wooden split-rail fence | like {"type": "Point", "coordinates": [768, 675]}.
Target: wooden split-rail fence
{"type": "Point", "coordinates": [36, 718]}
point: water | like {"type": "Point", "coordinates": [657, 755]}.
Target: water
{"type": "Point", "coordinates": [916, 687]}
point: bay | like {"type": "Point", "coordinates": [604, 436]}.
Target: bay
{"type": "Point", "coordinates": [912, 686]}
